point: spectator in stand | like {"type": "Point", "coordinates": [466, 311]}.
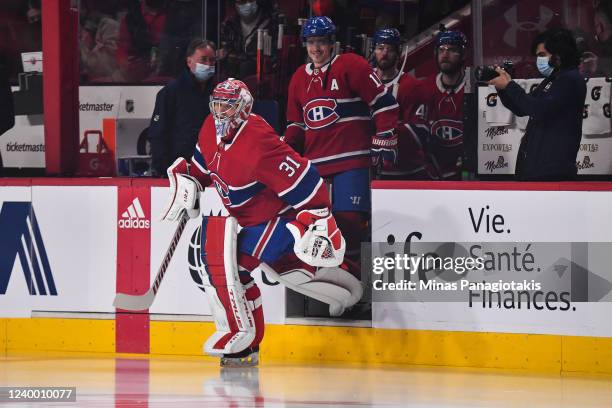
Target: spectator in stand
{"type": "Point", "coordinates": [238, 53]}
{"type": "Point", "coordinates": [181, 107]}
{"type": "Point", "coordinates": [99, 38]}
{"type": "Point", "coordinates": [33, 13]}
{"type": "Point", "coordinates": [140, 35]}
{"type": "Point", "coordinates": [31, 36]}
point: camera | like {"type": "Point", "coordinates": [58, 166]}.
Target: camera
{"type": "Point", "coordinates": [485, 73]}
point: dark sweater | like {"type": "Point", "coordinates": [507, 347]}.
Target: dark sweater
{"type": "Point", "coordinates": [180, 109]}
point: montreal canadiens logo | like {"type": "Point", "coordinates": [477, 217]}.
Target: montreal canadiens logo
{"type": "Point", "coordinates": [448, 132]}
{"type": "Point", "coordinates": [222, 188]}
{"type": "Point", "coordinates": [320, 113]}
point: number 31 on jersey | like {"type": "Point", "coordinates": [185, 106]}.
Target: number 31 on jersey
{"type": "Point", "coordinates": [289, 165]}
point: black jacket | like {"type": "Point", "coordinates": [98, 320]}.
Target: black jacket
{"type": "Point", "coordinates": [550, 145]}
{"type": "Point", "coordinates": [180, 110]}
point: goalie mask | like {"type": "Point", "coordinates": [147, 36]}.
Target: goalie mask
{"type": "Point", "coordinates": [230, 104]}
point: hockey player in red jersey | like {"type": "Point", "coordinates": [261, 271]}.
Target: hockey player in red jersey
{"type": "Point", "coordinates": [441, 114]}
{"type": "Point", "coordinates": [411, 157]}
{"type": "Point", "coordinates": [342, 119]}
{"type": "Point", "coordinates": [281, 207]}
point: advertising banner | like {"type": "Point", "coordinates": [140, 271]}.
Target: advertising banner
{"type": "Point", "coordinates": [59, 249]}
{"type": "Point", "coordinates": [492, 260]}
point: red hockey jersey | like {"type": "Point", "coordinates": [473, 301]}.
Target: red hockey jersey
{"type": "Point", "coordinates": [257, 175]}
{"type": "Point", "coordinates": [330, 112]}
{"type": "Point", "coordinates": [442, 113]}
{"type": "Point", "coordinates": [411, 157]}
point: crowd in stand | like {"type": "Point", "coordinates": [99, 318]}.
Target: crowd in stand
{"type": "Point", "coordinates": [148, 42]}
{"type": "Point", "coordinates": [127, 41]}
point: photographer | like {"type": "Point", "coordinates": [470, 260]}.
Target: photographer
{"type": "Point", "coordinates": [549, 147]}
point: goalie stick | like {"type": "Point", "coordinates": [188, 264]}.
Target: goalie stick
{"type": "Point", "coordinates": [143, 302]}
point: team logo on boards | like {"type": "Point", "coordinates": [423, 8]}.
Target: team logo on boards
{"type": "Point", "coordinates": [320, 113]}
{"type": "Point", "coordinates": [21, 238]}
{"type": "Point", "coordinates": [134, 217]}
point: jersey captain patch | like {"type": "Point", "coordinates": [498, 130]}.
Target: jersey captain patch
{"type": "Point", "coordinates": [319, 113]}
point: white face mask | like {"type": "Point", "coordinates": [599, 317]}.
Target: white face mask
{"type": "Point", "coordinates": [544, 66]}
{"type": "Point", "coordinates": [203, 72]}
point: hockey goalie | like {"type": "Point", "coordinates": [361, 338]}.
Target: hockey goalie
{"type": "Point", "coordinates": [280, 222]}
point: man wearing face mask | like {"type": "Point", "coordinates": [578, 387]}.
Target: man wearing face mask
{"type": "Point", "coordinates": [550, 145]}
{"type": "Point", "coordinates": [238, 54]}
{"type": "Point", "coordinates": [181, 107]}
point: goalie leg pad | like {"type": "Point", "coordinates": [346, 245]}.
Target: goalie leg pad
{"type": "Point", "coordinates": [333, 286]}
{"type": "Point", "coordinates": [253, 294]}
{"type": "Point", "coordinates": [231, 303]}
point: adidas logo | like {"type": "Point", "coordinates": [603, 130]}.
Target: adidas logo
{"type": "Point", "coordinates": [134, 217]}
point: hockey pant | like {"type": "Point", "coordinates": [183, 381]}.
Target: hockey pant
{"type": "Point", "coordinates": [350, 197]}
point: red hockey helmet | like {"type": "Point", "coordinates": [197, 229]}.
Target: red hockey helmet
{"type": "Point", "coordinates": [230, 104]}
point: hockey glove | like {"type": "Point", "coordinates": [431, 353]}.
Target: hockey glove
{"type": "Point", "coordinates": [318, 241]}
{"type": "Point", "coordinates": [184, 192]}
{"type": "Point", "coordinates": [384, 150]}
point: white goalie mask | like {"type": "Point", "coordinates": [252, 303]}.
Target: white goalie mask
{"type": "Point", "coordinates": [230, 104]}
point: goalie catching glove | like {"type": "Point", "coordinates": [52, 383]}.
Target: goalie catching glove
{"type": "Point", "coordinates": [318, 241]}
{"type": "Point", "coordinates": [184, 192]}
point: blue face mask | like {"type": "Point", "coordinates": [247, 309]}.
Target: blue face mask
{"type": "Point", "coordinates": [203, 72]}
{"type": "Point", "coordinates": [543, 66]}
{"type": "Point", "coordinates": [247, 10]}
